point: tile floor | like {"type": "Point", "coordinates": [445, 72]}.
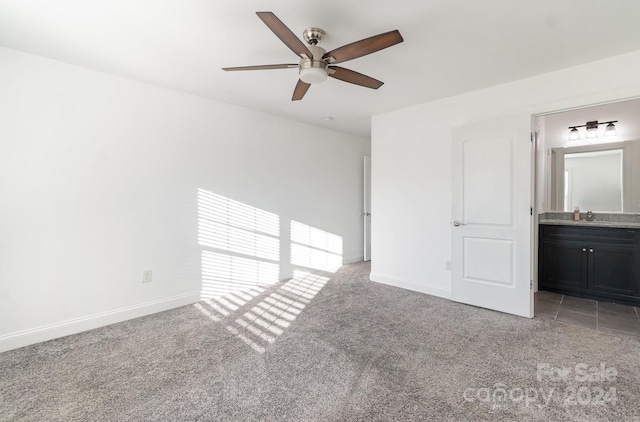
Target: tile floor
{"type": "Point", "coordinates": [595, 314]}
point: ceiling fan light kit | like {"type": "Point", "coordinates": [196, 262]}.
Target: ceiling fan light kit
{"type": "Point", "coordinates": [313, 70]}
{"type": "Point", "coordinates": [316, 64]}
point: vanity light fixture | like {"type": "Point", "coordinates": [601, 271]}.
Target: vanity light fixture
{"type": "Point", "coordinates": [592, 129]}
{"type": "Point", "coordinates": [574, 135]}
{"type": "Point", "coordinates": [610, 130]}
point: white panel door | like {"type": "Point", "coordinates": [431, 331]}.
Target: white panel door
{"type": "Point", "coordinates": [491, 227]}
{"type": "Point", "coordinates": [367, 208]}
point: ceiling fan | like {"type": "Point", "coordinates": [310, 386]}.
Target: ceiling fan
{"type": "Point", "coordinates": [316, 64]}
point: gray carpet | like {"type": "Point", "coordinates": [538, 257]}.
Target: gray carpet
{"type": "Point", "coordinates": [326, 350]}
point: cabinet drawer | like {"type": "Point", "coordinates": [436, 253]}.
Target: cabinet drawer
{"type": "Point", "coordinates": [591, 234]}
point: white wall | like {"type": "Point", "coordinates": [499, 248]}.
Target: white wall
{"type": "Point", "coordinates": [411, 162]}
{"type": "Point", "coordinates": [99, 178]}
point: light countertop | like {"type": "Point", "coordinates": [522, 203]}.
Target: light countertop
{"type": "Point", "coordinates": [625, 221]}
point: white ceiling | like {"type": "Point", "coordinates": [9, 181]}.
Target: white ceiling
{"type": "Point", "coordinates": [451, 46]}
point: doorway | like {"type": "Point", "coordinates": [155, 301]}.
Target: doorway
{"type": "Point", "coordinates": [366, 213]}
{"type": "Point", "coordinates": [555, 193]}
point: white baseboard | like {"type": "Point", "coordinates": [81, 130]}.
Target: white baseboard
{"type": "Point", "coordinates": [352, 259]}
{"type": "Point", "coordinates": [74, 326]}
{"type": "Point", "coordinates": [409, 284]}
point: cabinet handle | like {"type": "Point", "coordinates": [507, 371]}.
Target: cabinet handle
{"type": "Point", "coordinates": [584, 249]}
{"type": "Point", "coordinates": [590, 250]}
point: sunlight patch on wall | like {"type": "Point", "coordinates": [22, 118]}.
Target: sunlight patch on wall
{"type": "Point", "coordinates": [236, 227]}
{"type": "Point", "coordinates": [315, 248]}
{"type": "Point", "coordinates": [222, 274]}
{"type": "Point", "coordinates": [221, 236]}
{"type": "Point", "coordinates": [235, 213]}
{"type": "Point", "coordinates": [232, 228]}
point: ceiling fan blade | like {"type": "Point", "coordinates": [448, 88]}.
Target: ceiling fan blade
{"type": "Point", "coordinates": [363, 47]}
{"type": "Point", "coordinates": [261, 67]}
{"type": "Point", "coordinates": [354, 77]}
{"type": "Point", "coordinates": [300, 90]}
{"type": "Point", "coordinates": [285, 34]}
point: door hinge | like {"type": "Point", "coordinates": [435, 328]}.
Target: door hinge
{"type": "Point", "coordinates": [530, 284]}
{"type": "Point", "coordinates": [531, 136]}
{"type": "Point", "coordinates": [530, 210]}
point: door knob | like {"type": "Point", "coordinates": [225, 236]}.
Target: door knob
{"type": "Point", "coordinates": [456, 223]}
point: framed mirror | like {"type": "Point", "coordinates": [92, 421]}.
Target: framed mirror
{"type": "Point", "coordinates": [598, 178]}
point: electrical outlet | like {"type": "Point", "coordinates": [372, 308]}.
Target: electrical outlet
{"type": "Point", "coordinates": [447, 265]}
{"type": "Point", "coordinates": [146, 276]}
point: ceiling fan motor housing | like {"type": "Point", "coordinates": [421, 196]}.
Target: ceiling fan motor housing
{"type": "Point", "coordinates": [313, 35]}
{"type": "Point", "coordinates": [314, 70]}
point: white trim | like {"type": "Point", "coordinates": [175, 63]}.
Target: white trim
{"type": "Point", "coordinates": [352, 259]}
{"type": "Point", "coordinates": [414, 285]}
{"type": "Point", "coordinates": [74, 326]}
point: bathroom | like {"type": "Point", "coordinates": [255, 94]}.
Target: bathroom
{"type": "Point", "coordinates": [587, 227]}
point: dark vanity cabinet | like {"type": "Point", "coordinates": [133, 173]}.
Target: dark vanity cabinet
{"type": "Point", "coordinates": [596, 262]}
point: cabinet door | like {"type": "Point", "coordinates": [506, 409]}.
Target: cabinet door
{"type": "Point", "coordinates": [612, 269]}
{"type": "Point", "coordinates": [565, 266]}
